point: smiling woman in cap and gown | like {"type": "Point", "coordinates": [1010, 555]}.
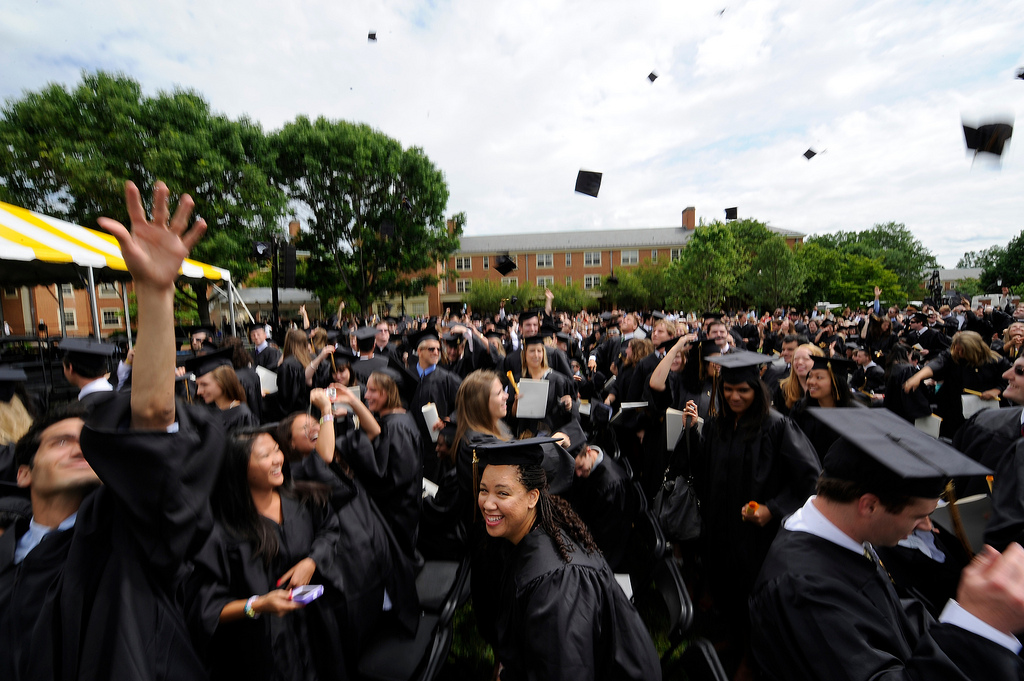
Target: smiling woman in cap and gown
{"type": "Point", "coordinates": [828, 387]}
{"type": "Point", "coordinates": [560, 613]}
{"type": "Point", "coordinates": [218, 385]}
{"type": "Point", "coordinates": [747, 453]}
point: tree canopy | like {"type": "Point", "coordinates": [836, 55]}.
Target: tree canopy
{"type": "Point", "coordinates": [376, 210]}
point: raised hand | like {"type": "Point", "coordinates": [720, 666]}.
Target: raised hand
{"type": "Point", "coordinates": [154, 249]}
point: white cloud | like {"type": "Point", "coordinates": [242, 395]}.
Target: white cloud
{"type": "Point", "coordinates": [511, 99]}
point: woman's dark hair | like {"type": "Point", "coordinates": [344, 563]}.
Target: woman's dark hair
{"type": "Point", "coordinates": [840, 394]}
{"type": "Point", "coordinates": [232, 499]}
{"type": "Point", "coordinates": [875, 330]}
{"type": "Point", "coordinates": [555, 515]}
{"type": "Point", "coordinates": [899, 354]}
{"type": "Point", "coordinates": [751, 420]}
{"type": "Point", "coordinates": [240, 357]}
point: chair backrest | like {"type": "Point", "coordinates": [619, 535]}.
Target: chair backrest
{"type": "Point", "coordinates": [646, 546]}
{"type": "Point", "coordinates": [672, 590]}
{"type": "Point", "coordinates": [700, 662]}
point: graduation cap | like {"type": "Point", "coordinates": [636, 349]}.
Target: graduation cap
{"type": "Point", "coordinates": [526, 315]}
{"type": "Point", "coordinates": [730, 213]}
{"type": "Point", "coordinates": [1020, 73]}
{"type": "Point", "coordinates": [9, 379]}
{"type": "Point", "coordinates": [420, 336]}
{"type": "Point", "coordinates": [920, 317]}
{"type": "Point", "coordinates": [204, 364]}
{"type": "Point", "coordinates": [988, 138]}
{"type": "Point", "coordinates": [588, 182]}
{"type": "Point", "coordinates": [652, 76]}
{"type": "Point", "coordinates": [365, 336]}
{"type": "Point", "coordinates": [529, 452]}
{"type": "Point", "coordinates": [405, 383]}
{"type": "Point", "coordinates": [809, 154]}
{"type": "Point", "coordinates": [453, 338]}
{"type": "Point", "coordinates": [712, 315]}
{"type": "Point", "coordinates": [838, 365]}
{"type": "Point", "coordinates": [704, 349]}
{"type": "Point", "coordinates": [881, 451]}
{"type": "Point", "coordinates": [494, 334]}
{"type": "Point", "coordinates": [606, 316]}
{"type": "Point", "coordinates": [740, 367]}
{"type": "Point", "coordinates": [87, 353]}
{"type": "Point", "coordinates": [668, 344]}
{"type": "Point", "coordinates": [612, 279]}
{"type": "Point", "coordinates": [372, 37]}
{"type": "Point", "coordinates": [548, 328]}
{"type": "Point", "coordinates": [504, 265]}
{"type": "Point", "coordinates": [564, 337]}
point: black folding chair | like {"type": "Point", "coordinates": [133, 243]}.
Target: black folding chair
{"type": "Point", "coordinates": [664, 604]}
{"type": "Point", "coordinates": [699, 662]}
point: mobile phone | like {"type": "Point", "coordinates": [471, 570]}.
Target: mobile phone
{"type": "Point", "coordinates": [307, 594]}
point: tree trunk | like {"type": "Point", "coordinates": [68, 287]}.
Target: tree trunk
{"type": "Point", "coordinates": [202, 302]}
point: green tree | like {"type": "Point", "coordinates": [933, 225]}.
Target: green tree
{"type": "Point", "coordinates": [377, 210]}
{"type": "Point", "coordinates": [485, 296]}
{"type": "Point", "coordinates": [572, 298]}
{"type": "Point", "coordinates": [969, 287]}
{"type": "Point", "coordinates": [842, 278]}
{"type": "Point", "coordinates": [68, 153]}
{"type": "Point", "coordinates": [985, 258]}
{"type": "Point", "coordinates": [893, 246]}
{"type": "Point", "coordinates": [774, 276]}
{"type": "Point", "coordinates": [1008, 266]}
{"type": "Point", "coordinates": [627, 290]}
{"type": "Point", "coordinates": [706, 270]}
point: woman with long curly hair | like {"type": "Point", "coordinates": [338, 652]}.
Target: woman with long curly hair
{"type": "Point", "coordinates": [828, 387]}
{"type": "Point", "coordinates": [969, 366]}
{"type": "Point", "coordinates": [793, 387]}
{"type": "Point", "coordinates": [560, 613]}
{"type": "Point", "coordinates": [292, 389]}
{"type": "Point", "coordinates": [752, 466]}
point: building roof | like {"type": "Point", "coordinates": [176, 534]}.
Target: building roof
{"type": "Point", "coordinates": [582, 240]}
{"type": "Point", "coordinates": [957, 274]}
{"type": "Point", "coordinates": [258, 295]}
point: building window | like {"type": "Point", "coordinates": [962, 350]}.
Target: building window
{"type": "Point", "coordinates": [107, 290]}
{"type": "Point", "coordinates": [568, 259]}
{"type": "Point", "coordinates": [675, 254]}
{"type": "Point", "coordinates": [568, 281]}
{"type": "Point", "coordinates": [630, 257]}
{"type": "Point", "coordinates": [70, 319]}
{"type": "Point", "coordinates": [68, 290]}
{"type": "Point", "coordinates": [591, 281]}
{"type": "Point", "coordinates": [545, 281]}
{"type": "Point", "coordinates": [654, 256]}
{"type": "Point", "coordinates": [111, 317]}
{"type": "Point", "coordinates": [592, 258]}
{"type": "Point", "coordinates": [487, 261]}
{"type": "Point", "coordinates": [545, 260]}
{"type": "Point", "coordinates": [510, 281]}
{"type": "Point", "coordinates": [463, 285]}
{"type": "Point", "coordinates": [464, 264]}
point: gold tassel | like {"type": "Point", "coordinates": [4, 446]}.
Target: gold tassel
{"type": "Point", "coordinates": [954, 515]}
{"type": "Point", "coordinates": [476, 482]}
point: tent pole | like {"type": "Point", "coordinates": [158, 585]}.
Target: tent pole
{"type": "Point", "coordinates": [127, 316]}
{"type": "Point", "coordinates": [92, 304]}
{"type": "Point", "coordinates": [231, 306]}
{"type": "Point", "coordinates": [60, 305]}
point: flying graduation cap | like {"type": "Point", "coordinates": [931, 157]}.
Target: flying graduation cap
{"type": "Point", "coordinates": [1020, 73]}
{"type": "Point", "coordinates": [809, 154]}
{"type": "Point", "coordinates": [988, 138]}
{"type": "Point", "coordinates": [730, 213]}
{"type": "Point", "coordinates": [588, 182]}
{"type": "Point", "coordinates": [504, 265]}
{"type": "Point", "coordinates": [652, 76]}
{"type": "Point", "coordinates": [372, 37]}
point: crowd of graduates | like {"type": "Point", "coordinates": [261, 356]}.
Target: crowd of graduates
{"type": "Point", "coordinates": [267, 502]}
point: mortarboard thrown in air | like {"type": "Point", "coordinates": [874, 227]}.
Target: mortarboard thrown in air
{"type": "Point", "coordinates": [809, 154]}
{"type": "Point", "coordinates": [741, 366]}
{"type": "Point", "coordinates": [10, 377]}
{"type": "Point", "coordinates": [652, 76]}
{"type": "Point", "coordinates": [988, 138]}
{"type": "Point", "coordinates": [588, 182]}
{"type": "Point", "coordinates": [504, 264]}
{"type": "Point", "coordinates": [730, 213]}
{"type": "Point", "coordinates": [886, 454]}
{"type": "Point", "coordinates": [372, 36]}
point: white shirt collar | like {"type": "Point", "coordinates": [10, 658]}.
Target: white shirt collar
{"type": "Point", "coordinates": [812, 521]}
{"type": "Point", "coordinates": [100, 385]}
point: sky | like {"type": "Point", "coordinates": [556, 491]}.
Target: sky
{"type": "Point", "coordinates": [511, 99]}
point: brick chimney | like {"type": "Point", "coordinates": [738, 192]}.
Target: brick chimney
{"type": "Point", "coordinates": [690, 218]}
{"type": "Point", "coordinates": [293, 229]}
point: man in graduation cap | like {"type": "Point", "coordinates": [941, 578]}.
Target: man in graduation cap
{"type": "Point", "coordinates": [436, 385]}
{"type": "Point", "coordinates": [264, 354]}
{"type": "Point", "coordinates": [85, 366]}
{"type": "Point", "coordinates": [823, 606]}
{"type": "Point", "coordinates": [90, 586]}
{"type": "Point", "coordinates": [369, 361]}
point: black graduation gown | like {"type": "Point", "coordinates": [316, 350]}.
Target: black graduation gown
{"type": "Point", "coordinates": [284, 648]}
{"type": "Point", "coordinates": [559, 620]}
{"type": "Point", "coordinates": [440, 386]}
{"type": "Point", "coordinates": [605, 501]}
{"type": "Point", "coordinates": [369, 558]}
{"type": "Point", "coordinates": [292, 391]}
{"type": "Point", "coordinates": [987, 437]}
{"type": "Point", "coordinates": [820, 435]}
{"type": "Point", "coordinates": [820, 611]}
{"type": "Point", "coordinates": [239, 416]}
{"type": "Point", "coordinates": [362, 368]}
{"type": "Point", "coordinates": [956, 377]}
{"type": "Point", "coordinates": [393, 475]}
{"type": "Point", "coordinates": [908, 406]}
{"type": "Point", "coordinates": [514, 362]}
{"type": "Point", "coordinates": [871, 379]}
{"type": "Point", "coordinates": [556, 418]}
{"type": "Point", "coordinates": [267, 359]}
{"type": "Point", "coordinates": [101, 600]}
{"type": "Point", "coordinates": [1007, 522]}
{"type": "Point", "coordinates": [777, 467]}
{"type": "Point", "coordinates": [250, 381]}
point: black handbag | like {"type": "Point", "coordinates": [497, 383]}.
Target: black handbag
{"type": "Point", "coordinates": [676, 506]}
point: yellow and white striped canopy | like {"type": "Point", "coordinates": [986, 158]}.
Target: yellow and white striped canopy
{"type": "Point", "coordinates": [38, 247]}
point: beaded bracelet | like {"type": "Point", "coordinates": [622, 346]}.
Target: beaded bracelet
{"type": "Point", "coordinates": [326, 418]}
{"type": "Point", "coordinates": [250, 611]}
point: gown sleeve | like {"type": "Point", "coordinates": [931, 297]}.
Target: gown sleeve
{"type": "Point", "coordinates": [798, 456]}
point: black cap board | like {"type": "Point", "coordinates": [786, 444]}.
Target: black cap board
{"type": "Point", "coordinates": [494, 334]}
{"type": "Point", "coordinates": [528, 314]}
{"type": "Point", "coordinates": [838, 365]}
{"type": "Point", "coordinates": [884, 453]}
{"type": "Point", "coordinates": [537, 339]}
{"type": "Point", "coordinates": [365, 336]}
{"type": "Point", "coordinates": [652, 76]}
{"type": "Point", "coordinates": [528, 452]}
{"type": "Point", "coordinates": [920, 317]}
{"type": "Point", "coordinates": [206, 363]}
{"type": "Point", "coordinates": [809, 154]}
{"type": "Point", "coordinates": [712, 315]}
{"type": "Point", "coordinates": [731, 213]}
{"type": "Point", "coordinates": [588, 182]}
{"type": "Point", "coordinates": [453, 338]}
{"type": "Point", "coordinates": [426, 334]}
{"type": "Point", "coordinates": [741, 366]}
{"type": "Point", "coordinates": [12, 375]}
{"type": "Point", "coordinates": [87, 354]}
{"type": "Point", "coordinates": [372, 36]}
{"type": "Point", "coordinates": [504, 264]}
{"type": "Point", "coordinates": [988, 138]}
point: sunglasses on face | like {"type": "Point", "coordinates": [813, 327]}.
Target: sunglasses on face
{"type": "Point", "coordinates": [1018, 369]}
